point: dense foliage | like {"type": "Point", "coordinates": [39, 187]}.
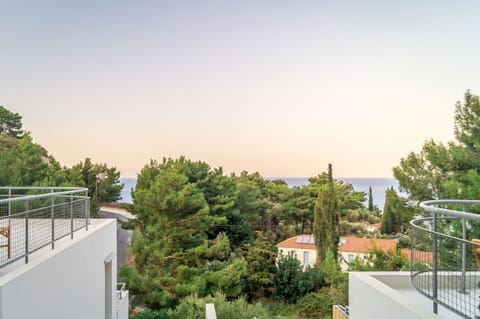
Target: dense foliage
{"type": "Point", "coordinates": [199, 232]}
{"type": "Point", "coordinates": [10, 123]}
{"type": "Point", "coordinates": [449, 170]}
{"type": "Point", "coordinates": [25, 163]}
{"type": "Point", "coordinates": [292, 282]}
{"type": "Point", "coordinates": [377, 259]}
{"type": "Point", "coordinates": [202, 236]}
{"type": "Point", "coordinates": [182, 208]}
{"type": "Point", "coordinates": [396, 213]}
{"type": "Point", "coordinates": [193, 307]}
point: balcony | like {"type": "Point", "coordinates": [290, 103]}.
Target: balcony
{"type": "Point", "coordinates": [444, 277]}
{"type": "Point", "coordinates": [450, 276]}
{"type": "Point", "coordinates": [35, 217]}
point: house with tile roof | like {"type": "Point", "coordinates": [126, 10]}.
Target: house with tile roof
{"type": "Point", "coordinates": [303, 248]}
{"type": "Point", "coordinates": [350, 248]}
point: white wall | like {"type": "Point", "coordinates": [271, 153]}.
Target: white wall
{"type": "Point", "coordinates": [67, 282]}
{"type": "Point", "coordinates": [312, 254]}
{"type": "Point", "coordinates": [122, 305]}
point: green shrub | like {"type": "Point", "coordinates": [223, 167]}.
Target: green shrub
{"type": "Point", "coordinates": [292, 283]}
{"type": "Point", "coordinates": [193, 307]}
{"type": "Point", "coordinates": [319, 304]}
{"type": "Point", "coordinates": [404, 242]}
{"type": "Point", "coordinates": [147, 314]}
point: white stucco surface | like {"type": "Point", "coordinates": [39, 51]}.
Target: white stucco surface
{"type": "Point", "coordinates": [389, 295]}
{"type": "Point", "coordinates": [67, 282]}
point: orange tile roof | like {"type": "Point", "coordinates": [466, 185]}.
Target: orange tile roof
{"type": "Point", "coordinates": [292, 243]}
{"type": "Point", "coordinates": [347, 244]}
{"type": "Point", "coordinates": [420, 256]}
{"type": "Point", "coordinates": [365, 245]}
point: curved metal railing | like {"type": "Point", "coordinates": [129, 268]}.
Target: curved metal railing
{"type": "Point", "coordinates": [445, 258]}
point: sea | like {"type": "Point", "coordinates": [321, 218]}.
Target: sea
{"type": "Point", "coordinates": [379, 185]}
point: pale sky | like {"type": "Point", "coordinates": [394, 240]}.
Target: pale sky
{"type": "Point", "coordinates": [278, 87]}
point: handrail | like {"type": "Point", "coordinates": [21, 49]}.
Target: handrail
{"type": "Point", "coordinates": [41, 187]}
{"type": "Point", "coordinates": [450, 274]}
{"type": "Point", "coordinates": [429, 207]}
{"type": "Point", "coordinates": [68, 191]}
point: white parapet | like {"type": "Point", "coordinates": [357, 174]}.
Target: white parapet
{"type": "Point", "coordinates": [76, 280]}
{"type": "Point", "coordinates": [122, 304]}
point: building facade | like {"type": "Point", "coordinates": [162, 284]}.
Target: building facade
{"type": "Point", "coordinates": [56, 262]}
{"type": "Point", "coordinates": [303, 248]}
{"type": "Point", "coordinates": [77, 279]}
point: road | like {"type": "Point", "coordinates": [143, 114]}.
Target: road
{"type": "Point", "coordinates": [123, 236]}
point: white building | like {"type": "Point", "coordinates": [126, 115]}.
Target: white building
{"type": "Point", "coordinates": [303, 248]}
{"type": "Point", "coordinates": [75, 277]}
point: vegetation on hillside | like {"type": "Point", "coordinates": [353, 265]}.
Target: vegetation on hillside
{"type": "Point", "coordinates": [199, 231]}
{"type": "Point", "coordinates": [203, 236]}
{"type": "Point", "coordinates": [26, 163]}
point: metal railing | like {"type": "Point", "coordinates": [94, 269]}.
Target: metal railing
{"type": "Point", "coordinates": [34, 217]}
{"type": "Point", "coordinates": [445, 257]}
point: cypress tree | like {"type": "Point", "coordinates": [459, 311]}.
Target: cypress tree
{"type": "Point", "coordinates": [370, 199]}
{"type": "Point", "coordinates": [325, 220]}
{"type": "Point", "coordinates": [390, 220]}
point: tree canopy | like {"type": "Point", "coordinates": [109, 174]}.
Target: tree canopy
{"type": "Point", "coordinates": [447, 170]}
{"type": "Point", "coordinates": [178, 247]}
{"type": "Point", "coordinates": [10, 123]}
{"type": "Point", "coordinates": [26, 163]}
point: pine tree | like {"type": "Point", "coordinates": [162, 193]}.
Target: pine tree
{"type": "Point", "coordinates": [177, 249]}
{"type": "Point", "coordinates": [326, 219]}
{"type": "Point", "coordinates": [370, 199]}
{"type": "Point", "coordinates": [10, 123]}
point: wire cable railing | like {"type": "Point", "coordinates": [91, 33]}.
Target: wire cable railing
{"type": "Point", "coordinates": [445, 256]}
{"type": "Point", "coordinates": [34, 217]}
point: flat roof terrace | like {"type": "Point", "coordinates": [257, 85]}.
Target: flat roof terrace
{"type": "Point", "coordinates": [36, 217]}
{"type": "Point", "coordinates": [391, 295]}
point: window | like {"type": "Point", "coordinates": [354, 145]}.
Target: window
{"type": "Point", "coordinates": [293, 254]}
{"type": "Point", "coordinates": [351, 258]}
{"type": "Point", "coordinates": [305, 258]}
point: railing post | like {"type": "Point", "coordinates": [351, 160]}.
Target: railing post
{"type": "Point", "coordinates": [9, 204]}
{"type": "Point", "coordinates": [9, 223]}
{"type": "Point", "coordinates": [87, 210]}
{"type": "Point", "coordinates": [52, 201]}
{"type": "Point", "coordinates": [435, 266]}
{"type": "Point", "coordinates": [71, 216]}
{"type": "Point", "coordinates": [464, 252]}
{"type": "Point", "coordinates": [26, 230]}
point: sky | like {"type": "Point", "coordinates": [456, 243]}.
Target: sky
{"type": "Point", "coordinates": [278, 87]}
